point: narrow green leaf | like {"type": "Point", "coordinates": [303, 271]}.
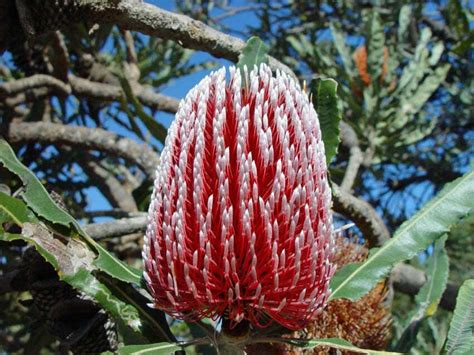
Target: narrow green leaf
{"type": "Point", "coordinates": [438, 269]}
{"type": "Point", "coordinates": [416, 69]}
{"type": "Point", "coordinates": [375, 48]}
{"type": "Point", "coordinates": [156, 129]}
{"type": "Point", "coordinates": [435, 219]}
{"type": "Point", "coordinates": [73, 263]}
{"type": "Point", "coordinates": [462, 46]}
{"type": "Point", "coordinates": [343, 50]}
{"type": "Point", "coordinates": [324, 93]}
{"type": "Point", "coordinates": [300, 44]}
{"type": "Point", "coordinates": [436, 53]}
{"type": "Point", "coordinates": [158, 349]}
{"type": "Point", "coordinates": [35, 194]}
{"type": "Point", "coordinates": [115, 267]}
{"type": "Point", "coordinates": [428, 297]}
{"type": "Point", "coordinates": [404, 19]}
{"type": "Point", "coordinates": [336, 343]}
{"type": "Point", "coordinates": [38, 199]}
{"type": "Point", "coordinates": [413, 103]}
{"type": "Point", "coordinates": [254, 53]}
{"type": "Point", "coordinates": [461, 331]}
{"type": "Point", "coordinates": [458, 17]}
{"type": "Point", "coordinates": [15, 209]}
{"type": "Point", "coordinates": [84, 280]}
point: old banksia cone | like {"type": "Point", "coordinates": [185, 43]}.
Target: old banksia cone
{"type": "Point", "coordinates": [239, 222]}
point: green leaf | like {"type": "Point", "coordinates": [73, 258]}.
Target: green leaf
{"type": "Point", "coordinates": [84, 280]}
{"type": "Point", "coordinates": [343, 50]}
{"type": "Point", "coordinates": [158, 349]}
{"type": "Point", "coordinates": [156, 129]}
{"type": "Point", "coordinates": [324, 93]}
{"type": "Point", "coordinates": [436, 53]}
{"type": "Point", "coordinates": [73, 264]}
{"type": "Point", "coordinates": [457, 17]}
{"type": "Point", "coordinates": [404, 19]}
{"type": "Point", "coordinates": [15, 209]}
{"type": "Point", "coordinates": [335, 343]}
{"type": "Point", "coordinates": [428, 297]}
{"type": "Point", "coordinates": [413, 103]}
{"type": "Point", "coordinates": [115, 267]}
{"type": "Point", "coordinates": [375, 48]}
{"type": "Point", "coordinates": [38, 199]}
{"type": "Point", "coordinates": [435, 219]}
{"type": "Point", "coordinates": [461, 331]}
{"type": "Point", "coordinates": [414, 72]}
{"type": "Point", "coordinates": [155, 327]}
{"type": "Point", "coordinates": [438, 269]}
{"type": "Point", "coordinates": [300, 44]}
{"type": "Point", "coordinates": [35, 195]}
{"type": "Point", "coordinates": [462, 46]}
{"type": "Point", "coordinates": [254, 53]}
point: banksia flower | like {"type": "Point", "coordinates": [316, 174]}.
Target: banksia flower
{"type": "Point", "coordinates": [360, 59]}
{"type": "Point", "coordinates": [239, 222]}
{"type": "Point", "coordinates": [365, 323]}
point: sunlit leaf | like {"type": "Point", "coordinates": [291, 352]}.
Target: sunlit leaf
{"type": "Point", "coordinates": [415, 235]}
{"type": "Point", "coordinates": [254, 53]}
{"type": "Point", "coordinates": [428, 297]}
{"type": "Point", "coordinates": [343, 50]}
{"type": "Point", "coordinates": [461, 331]}
{"type": "Point", "coordinates": [38, 200]}
{"type": "Point", "coordinates": [158, 349]}
{"type": "Point", "coordinates": [15, 209]}
{"type": "Point", "coordinates": [35, 195]}
{"type": "Point", "coordinates": [335, 343]}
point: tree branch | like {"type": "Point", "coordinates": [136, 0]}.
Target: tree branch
{"type": "Point", "coordinates": [15, 87]}
{"type": "Point", "coordinates": [153, 21]}
{"type": "Point", "coordinates": [409, 280]}
{"type": "Point", "coordinates": [88, 138]}
{"type": "Point", "coordinates": [40, 85]}
{"type": "Point", "coordinates": [350, 140]}
{"type": "Point", "coordinates": [110, 186]}
{"type": "Point", "coordinates": [363, 214]}
{"type": "Point", "coordinates": [116, 228]}
{"type": "Point", "coordinates": [107, 92]}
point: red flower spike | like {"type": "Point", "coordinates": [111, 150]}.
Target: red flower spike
{"type": "Point", "coordinates": [240, 222]}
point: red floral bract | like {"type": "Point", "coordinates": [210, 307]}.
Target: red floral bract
{"type": "Point", "coordinates": [240, 222]}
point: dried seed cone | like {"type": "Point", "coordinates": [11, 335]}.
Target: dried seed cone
{"type": "Point", "coordinates": [51, 15]}
{"type": "Point", "coordinates": [71, 316]}
{"type": "Point", "coordinates": [365, 323]}
{"type": "Point", "coordinates": [240, 219]}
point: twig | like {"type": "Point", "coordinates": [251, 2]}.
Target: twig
{"type": "Point", "coordinates": [110, 186]}
{"type": "Point", "coordinates": [350, 140]}
{"type": "Point", "coordinates": [409, 280]}
{"type": "Point", "coordinates": [15, 87]}
{"type": "Point", "coordinates": [115, 213]}
{"type": "Point", "coordinates": [153, 21]}
{"type": "Point", "coordinates": [38, 86]}
{"type": "Point", "coordinates": [116, 228]}
{"type": "Point", "coordinates": [107, 92]}
{"type": "Point", "coordinates": [363, 215]}
{"type": "Point", "coordinates": [88, 138]}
